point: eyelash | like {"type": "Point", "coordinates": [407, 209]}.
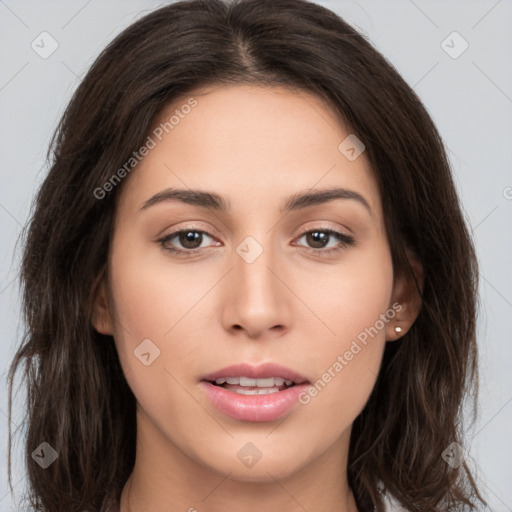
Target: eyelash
{"type": "Point", "coordinates": [345, 241]}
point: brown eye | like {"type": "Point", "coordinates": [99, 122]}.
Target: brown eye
{"type": "Point", "coordinates": [184, 241]}
{"type": "Point", "coordinates": [318, 240]}
{"type": "Point", "coordinates": [190, 239]}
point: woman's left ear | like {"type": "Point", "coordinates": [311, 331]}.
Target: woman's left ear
{"type": "Point", "coordinates": [407, 295]}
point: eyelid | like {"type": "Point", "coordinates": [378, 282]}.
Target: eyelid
{"type": "Point", "coordinates": [325, 227]}
{"type": "Point", "coordinates": [209, 230]}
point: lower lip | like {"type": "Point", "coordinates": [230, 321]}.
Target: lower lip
{"type": "Point", "coordinates": [253, 407]}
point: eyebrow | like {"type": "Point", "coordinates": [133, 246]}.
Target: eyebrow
{"type": "Point", "coordinates": [216, 202]}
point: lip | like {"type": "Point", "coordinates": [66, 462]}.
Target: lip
{"type": "Point", "coordinates": [255, 408]}
{"type": "Point", "coordinates": [262, 371]}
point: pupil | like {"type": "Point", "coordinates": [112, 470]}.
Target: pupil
{"type": "Point", "coordinates": [317, 238]}
{"type": "Point", "coordinates": [189, 238]}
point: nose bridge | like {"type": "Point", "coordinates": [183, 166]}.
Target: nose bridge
{"type": "Point", "coordinates": [256, 298]}
{"type": "Point", "coordinates": [252, 276]}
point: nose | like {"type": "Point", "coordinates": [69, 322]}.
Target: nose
{"type": "Point", "coordinates": [256, 298]}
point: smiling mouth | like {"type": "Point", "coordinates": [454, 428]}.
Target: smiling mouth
{"type": "Point", "coordinates": [249, 386]}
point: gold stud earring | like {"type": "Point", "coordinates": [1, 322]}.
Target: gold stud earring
{"type": "Point", "coordinates": [398, 329]}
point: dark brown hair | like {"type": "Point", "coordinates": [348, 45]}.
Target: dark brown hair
{"type": "Point", "coordinates": [77, 397]}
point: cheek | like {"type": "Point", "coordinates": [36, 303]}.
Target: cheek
{"type": "Point", "coordinates": [347, 297]}
{"type": "Point", "coordinates": [152, 296]}
{"type": "Point", "coordinates": [346, 352]}
{"type": "Point", "coordinates": [154, 302]}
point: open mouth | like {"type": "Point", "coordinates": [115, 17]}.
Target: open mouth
{"type": "Point", "coordinates": [254, 393]}
{"type": "Point", "coordinates": [249, 386]}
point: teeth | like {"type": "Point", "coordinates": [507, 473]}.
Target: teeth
{"type": "Point", "coordinates": [245, 381]}
{"type": "Point", "coordinates": [268, 382]}
{"type": "Point", "coordinates": [264, 383]}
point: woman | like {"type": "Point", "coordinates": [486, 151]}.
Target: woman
{"type": "Point", "coordinates": [247, 279]}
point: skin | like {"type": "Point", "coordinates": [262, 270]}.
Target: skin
{"type": "Point", "coordinates": [255, 146]}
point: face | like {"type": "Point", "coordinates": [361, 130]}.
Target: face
{"type": "Point", "coordinates": [278, 288]}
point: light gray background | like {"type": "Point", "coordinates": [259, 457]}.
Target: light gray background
{"type": "Point", "coordinates": [469, 98]}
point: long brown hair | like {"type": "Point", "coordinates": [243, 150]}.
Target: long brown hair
{"type": "Point", "coordinates": [78, 400]}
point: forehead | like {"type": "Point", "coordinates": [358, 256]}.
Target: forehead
{"type": "Point", "coordinates": [252, 144]}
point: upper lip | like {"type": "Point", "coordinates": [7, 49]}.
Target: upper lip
{"type": "Point", "coordinates": [261, 371]}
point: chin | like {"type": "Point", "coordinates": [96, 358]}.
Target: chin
{"type": "Point", "coordinates": [249, 464]}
